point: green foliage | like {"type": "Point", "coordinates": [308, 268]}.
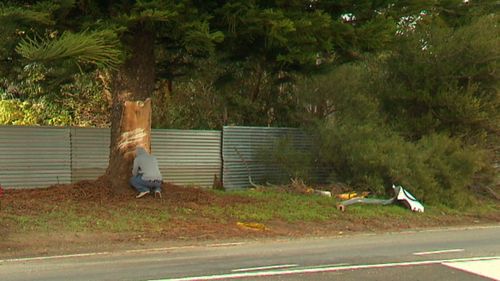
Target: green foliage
{"type": "Point", "coordinates": [295, 161]}
{"type": "Point", "coordinates": [444, 80]}
{"type": "Point", "coordinates": [55, 57]}
{"type": "Point", "coordinates": [260, 46]}
{"type": "Point", "coordinates": [423, 90]}
{"type": "Point", "coordinates": [376, 34]}
{"type": "Point", "coordinates": [444, 168]}
{"type": "Point", "coordinates": [214, 95]}
{"type": "Point", "coordinates": [99, 48]}
{"type": "Point", "coordinates": [333, 95]}
{"type": "Point", "coordinates": [87, 100]}
{"type": "Point", "coordinates": [278, 38]}
{"type": "Point", "coordinates": [41, 112]}
{"type": "Point", "coordinates": [271, 205]}
{"type": "Point", "coordinates": [413, 116]}
{"type": "Point", "coordinates": [193, 105]}
{"type": "Point", "coordinates": [200, 40]}
{"type": "Point", "coordinates": [359, 147]}
{"type": "Point", "coordinates": [148, 12]}
{"type": "Point", "coordinates": [362, 154]}
{"type": "Point", "coordinates": [67, 217]}
{"type": "Point", "coordinates": [77, 102]}
{"type": "Point", "coordinates": [40, 13]}
{"type": "Point", "coordinates": [370, 156]}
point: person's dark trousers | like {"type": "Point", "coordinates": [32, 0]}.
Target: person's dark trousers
{"type": "Point", "coordinates": [145, 185]}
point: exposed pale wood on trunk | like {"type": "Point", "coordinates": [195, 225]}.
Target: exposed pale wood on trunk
{"type": "Point", "coordinates": [131, 87]}
{"type": "Point", "coordinates": [135, 130]}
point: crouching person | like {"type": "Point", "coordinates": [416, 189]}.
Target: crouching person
{"type": "Point", "coordinates": [146, 176]}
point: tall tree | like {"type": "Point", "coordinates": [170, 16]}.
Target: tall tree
{"type": "Point", "coordinates": [446, 79]}
{"type": "Point", "coordinates": [268, 44]}
{"type": "Point", "coordinates": [120, 36]}
{"type": "Point", "coordinates": [139, 39]}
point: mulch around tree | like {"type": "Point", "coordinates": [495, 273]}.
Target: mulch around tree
{"type": "Point", "coordinates": [87, 194]}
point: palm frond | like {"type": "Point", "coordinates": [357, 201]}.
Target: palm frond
{"type": "Point", "coordinates": [100, 48]}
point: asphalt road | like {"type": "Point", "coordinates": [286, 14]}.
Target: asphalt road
{"type": "Point", "coordinates": [446, 254]}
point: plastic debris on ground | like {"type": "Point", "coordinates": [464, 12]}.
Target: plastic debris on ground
{"type": "Point", "coordinates": [350, 195]}
{"type": "Point", "coordinates": [401, 195]}
{"type": "Point", "coordinates": [252, 226]}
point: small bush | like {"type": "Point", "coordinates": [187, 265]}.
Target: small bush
{"type": "Point", "coordinates": [366, 156]}
{"type": "Point", "coordinates": [450, 168]}
{"type": "Point", "coordinates": [40, 112]}
{"type": "Point", "coordinates": [436, 169]}
{"type": "Point", "coordinates": [295, 162]}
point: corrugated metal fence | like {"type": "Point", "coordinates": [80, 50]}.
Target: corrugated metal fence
{"type": "Point", "coordinates": [188, 157]}
{"type": "Point", "coordinates": [34, 156]}
{"type": "Point", "coordinates": [89, 152]}
{"type": "Point", "coordinates": [42, 156]}
{"type": "Point", "coordinates": [244, 152]}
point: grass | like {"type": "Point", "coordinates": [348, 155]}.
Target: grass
{"type": "Point", "coordinates": [274, 205]}
{"type": "Point", "coordinates": [290, 207]}
{"type": "Point", "coordinates": [68, 217]}
{"type": "Point", "coordinates": [46, 224]}
{"type": "Point", "coordinates": [264, 207]}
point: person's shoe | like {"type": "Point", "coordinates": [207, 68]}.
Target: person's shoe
{"type": "Point", "coordinates": [158, 194]}
{"type": "Point", "coordinates": [142, 194]}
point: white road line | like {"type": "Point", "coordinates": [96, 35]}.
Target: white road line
{"type": "Point", "coordinates": [327, 265]}
{"type": "Point", "coordinates": [96, 254]}
{"type": "Point", "coordinates": [225, 244]}
{"type": "Point", "coordinates": [118, 252]}
{"type": "Point", "coordinates": [56, 257]}
{"type": "Point", "coordinates": [317, 270]}
{"type": "Point", "coordinates": [158, 249]}
{"type": "Point", "coordinates": [265, 267]}
{"type": "Point", "coordinates": [438, 252]}
{"type": "Point", "coordinates": [485, 268]}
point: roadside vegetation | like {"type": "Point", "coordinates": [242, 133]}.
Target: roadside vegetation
{"type": "Point", "coordinates": [402, 93]}
{"type": "Point", "coordinates": [71, 218]}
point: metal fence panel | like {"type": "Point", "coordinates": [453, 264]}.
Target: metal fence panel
{"type": "Point", "coordinates": [247, 144]}
{"type": "Point", "coordinates": [184, 156]}
{"type": "Point", "coordinates": [34, 156]}
{"type": "Point", "coordinates": [89, 153]}
{"type": "Point", "coordinates": [41, 156]}
{"type": "Point", "coordinates": [188, 157]}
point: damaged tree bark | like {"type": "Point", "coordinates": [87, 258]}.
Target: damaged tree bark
{"type": "Point", "coordinates": [132, 85]}
{"type": "Point", "coordinates": [134, 130]}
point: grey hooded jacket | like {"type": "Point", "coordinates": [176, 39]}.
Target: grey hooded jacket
{"type": "Point", "coordinates": [146, 165]}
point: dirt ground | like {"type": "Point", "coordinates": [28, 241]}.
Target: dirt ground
{"type": "Point", "coordinates": [196, 230]}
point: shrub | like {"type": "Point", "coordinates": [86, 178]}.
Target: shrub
{"type": "Point", "coordinates": [443, 80]}
{"type": "Point", "coordinates": [294, 161]}
{"type": "Point", "coordinates": [40, 112]}
{"type": "Point", "coordinates": [449, 168]}
{"type": "Point", "coordinates": [436, 169]}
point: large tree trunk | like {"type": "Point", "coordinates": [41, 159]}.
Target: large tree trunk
{"type": "Point", "coordinates": [131, 87]}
